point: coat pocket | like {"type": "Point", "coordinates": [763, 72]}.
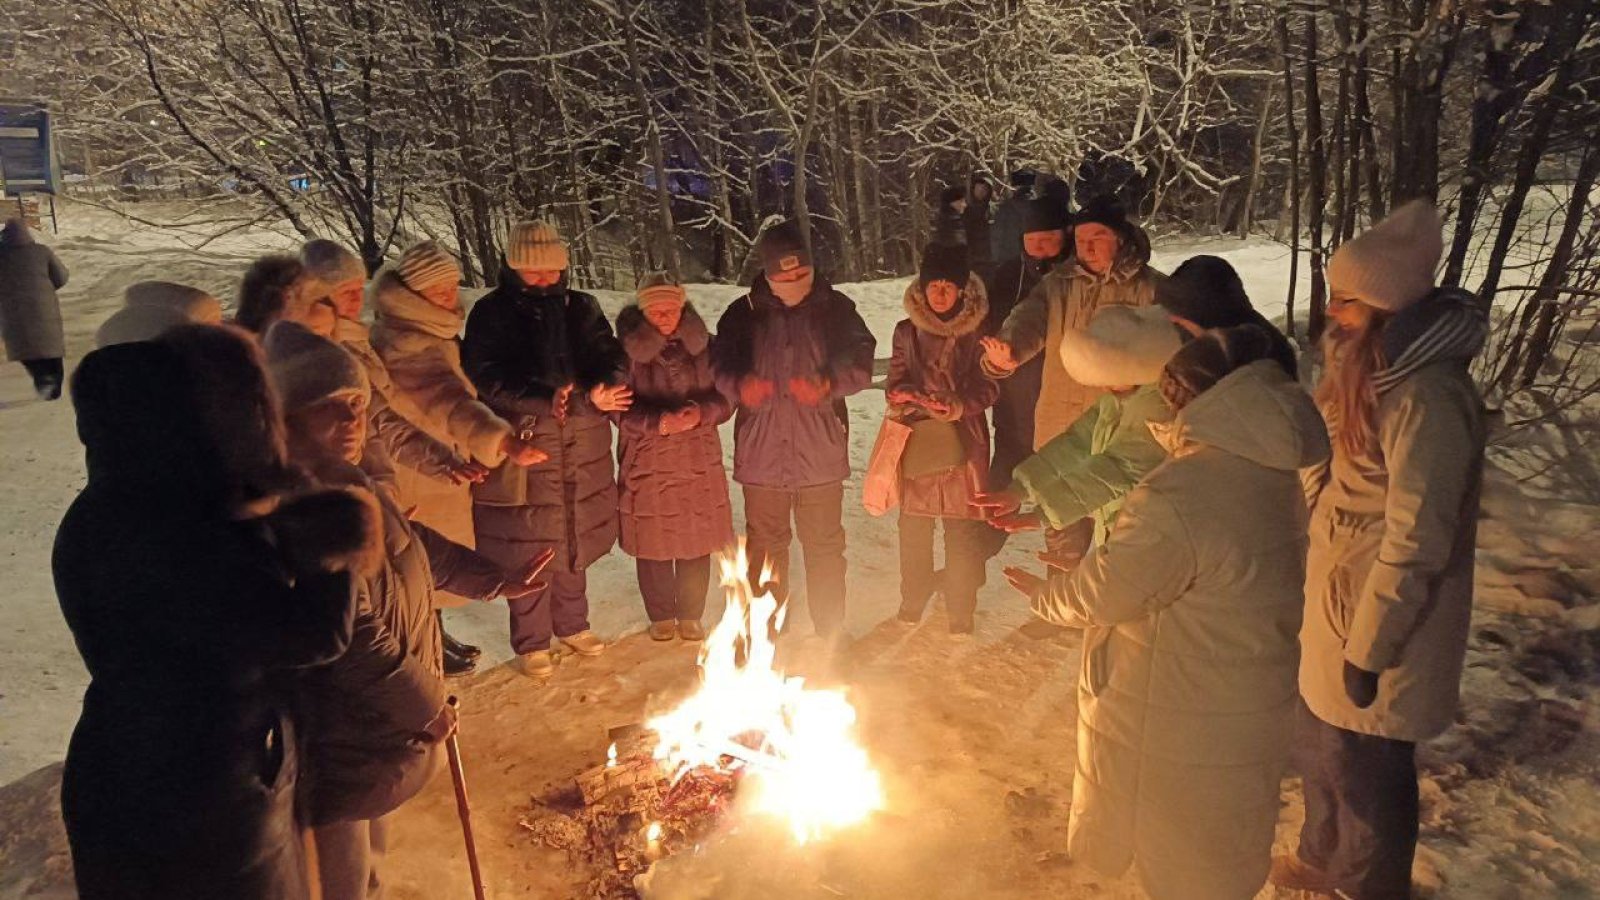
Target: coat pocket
{"type": "Point", "coordinates": [1096, 660]}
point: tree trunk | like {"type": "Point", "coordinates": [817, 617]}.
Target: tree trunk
{"type": "Point", "coordinates": [1293, 130]}
{"type": "Point", "coordinates": [1319, 180]}
{"type": "Point", "coordinates": [667, 239]}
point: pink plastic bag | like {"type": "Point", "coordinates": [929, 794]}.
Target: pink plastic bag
{"type": "Point", "coordinates": [880, 492]}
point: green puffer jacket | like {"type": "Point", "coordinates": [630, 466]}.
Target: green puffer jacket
{"type": "Point", "coordinates": [1090, 467]}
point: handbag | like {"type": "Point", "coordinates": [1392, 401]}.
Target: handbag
{"type": "Point", "coordinates": [934, 446]}
{"type": "Point", "coordinates": [880, 490]}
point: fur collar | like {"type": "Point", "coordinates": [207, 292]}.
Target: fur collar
{"type": "Point", "coordinates": [974, 309]}
{"type": "Point", "coordinates": [400, 306]}
{"type": "Point", "coordinates": [644, 343]}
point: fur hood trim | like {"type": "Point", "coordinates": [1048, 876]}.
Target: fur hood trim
{"type": "Point", "coordinates": [974, 309]}
{"type": "Point", "coordinates": [400, 306]}
{"type": "Point", "coordinates": [644, 343]}
{"type": "Point", "coordinates": [334, 530]}
{"type": "Point", "coordinates": [1123, 345]}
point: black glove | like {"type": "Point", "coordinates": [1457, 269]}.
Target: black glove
{"type": "Point", "coordinates": [1360, 685]}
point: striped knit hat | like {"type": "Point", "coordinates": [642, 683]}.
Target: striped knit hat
{"type": "Point", "coordinates": [331, 263]}
{"type": "Point", "coordinates": [427, 265]}
{"type": "Point", "coordinates": [658, 288]}
{"type": "Point", "coordinates": [536, 246]}
{"type": "Point", "coordinates": [1390, 265]}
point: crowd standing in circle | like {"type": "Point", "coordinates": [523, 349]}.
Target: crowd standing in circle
{"type": "Point", "coordinates": [1248, 562]}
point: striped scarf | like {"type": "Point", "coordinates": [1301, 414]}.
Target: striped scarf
{"type": "Point", "coordinates": [1447, 324]}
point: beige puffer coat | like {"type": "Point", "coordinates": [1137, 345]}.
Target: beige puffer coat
{"type": "Point", "coordinates": [1190, 611]}
{"type": "Point", "coordinates": [1389, 575]}
{"type": "Point", "coordinates": [420, 347]}
{"type": "Point", "coordinates": [1068, 298]}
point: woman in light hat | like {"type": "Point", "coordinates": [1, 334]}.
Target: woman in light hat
{"type": "Point", "coordinates": [1186, 692]}
{"type": "Point", "coordinates": [545, 357]}
{"type": "Point", "coordinates": [673, 504]}
{"type": "Point", "coordinates": [1389, 576]}
{"type": "Point", "coordinates": [418, 319]}
{"type": "Point", "coordinates": [150, 308]}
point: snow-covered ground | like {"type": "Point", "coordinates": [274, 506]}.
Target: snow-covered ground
{"type": "Point", "coordinates": [975, 737]}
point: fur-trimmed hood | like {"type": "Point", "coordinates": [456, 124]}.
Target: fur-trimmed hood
{"type": "Point", "coordinates": [1123, 345]}
{"type": "Point", "coordinates": [400, 306]}
{"type": "Point", "coordinates": [644, 343]}
{"type": "Point", "coordinates": [974, 309]}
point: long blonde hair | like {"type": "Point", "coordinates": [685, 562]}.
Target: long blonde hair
{"type": "Point", "coordinates": [1346, 394]}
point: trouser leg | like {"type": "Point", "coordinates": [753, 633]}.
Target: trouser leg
{"type": "Point", "coordinates": [569, 603]}
{"type": "Point", "coordinates": [531, 627]}
{"type": "Point", "coordinates": [916, 564]}
{"type": "Point", "coordinates": [658, 588]}
{"type": "Point", "coordinates": [819, 520]}
{"type": "Point", "coordinates": [693, 580]}
{"type": "Point", "coordinates": [1316, 756]}
{"type": "Point", "coordinates": [47, 375]}
{"type": "Point", "coordinates": [768, 534]}
{"type": "Point", "coordinates": [1377, 818]}
{"type": "Point", "coordinates": [963, 565]}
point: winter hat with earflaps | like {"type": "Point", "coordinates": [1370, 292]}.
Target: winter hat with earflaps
{"type": "Point", "coordinates": [659, 288]}
{"type": "Point", "coordinates": [150, 308]}
{"type": "Point", "coordinates": [427, 265]}
{"type": "Point", "coordinates": [1390, 265]}
{"type": "Point", "coordinates": [1045, 214]}
{"type": "Point", "coordinates": [944, 262]}
{"type": "Point", "coordinates": [331, 263]}
{"type": "Point", "coordinates": [536, 246]}
{"type": "Point", "coordinates": [782, 249]}
{"type": "Point", "coordinates": [307, 368]}
{"type": "Point", "coordinates": [1123, 346]}
{"type": "Point", "coordinates": [1208, 359]}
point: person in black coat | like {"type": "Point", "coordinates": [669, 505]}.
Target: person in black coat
{"type": "Point", "coordinates": [1205, 293]}
{"type": "Point", "coordinates": [544, 357]}
{"type": "Point", "coordinates": [192, 595]}
{"type": "Point", "coordinates": [950, 219]}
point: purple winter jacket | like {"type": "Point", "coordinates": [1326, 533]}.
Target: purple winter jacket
{"type": "Point", "coordinates": [783, 443]}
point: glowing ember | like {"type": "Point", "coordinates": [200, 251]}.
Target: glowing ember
{"type": "Point", "coordinates": [796, 745]}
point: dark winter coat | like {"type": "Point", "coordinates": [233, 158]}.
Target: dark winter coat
{"type": "Point", "coordinates": [181, 774]}
{"type": "Point", "coordinates": [949, 226]}
{"type": "Point", "coordinates": [674, 490]}
{"type": "Point", "coordinates": [366, 713]}
{"type": "Point", "coordinates": [1005, 237]}
{"type": "Point", "coordinates": [30, 314]}
{"type": "Point", "coordinates": [521, 346]}
{"type": "Point", "coordinates": [783, 443]}
{"type": "Point", "coordinates": [942, 358]}
{"type": "Point", "coordinates": [975, 225]}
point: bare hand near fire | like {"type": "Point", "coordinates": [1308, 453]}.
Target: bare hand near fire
{"type": "Point", "coordinates": [1015, 522]}
{"type": "Point", "coordinates": [522, 453]}
{"type": "Point", "coordinates": [611, 397]}
{"type": "Point", "coordinates": [526, 583]}
{"type": "Point", "coordinates": [903, 397]}
{"type": "Point", "coordinates": [680, 420]}
{"type": "Point", "coordinates": [1026, 583]}
{"type": "Point", "coordinates": [992, 504]}
{"type": "Point", "coordinates": [1060, 560]}
{"type": "Point", "coordinates": [466, 471]}
{"type": "Point", "coordinates": [998, 353]}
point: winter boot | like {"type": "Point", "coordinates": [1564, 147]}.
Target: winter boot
{"type": "Point", "coordinates": [663, 631]}
{"type": "Point", "coordinates": [455, 664]}
{"type": "Point", "coordinates": [539, 664]}
{"type": "Point", "coordinates": [584, 643]}
{"type": "Point", "coordinates": [1291, 873]}
{"type": "Point", "coordinates": [451, 645]}
{"type": "Point", "coordinates": [691, 630]}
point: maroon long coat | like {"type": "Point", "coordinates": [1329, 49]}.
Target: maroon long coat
{"type": "Point", "coordinates": [674, 490]}
{"type": "Point", "coordinates": [941, 357]}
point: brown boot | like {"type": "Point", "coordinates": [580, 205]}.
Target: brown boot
{"type": "Point", "coordinates": [1291, 873]}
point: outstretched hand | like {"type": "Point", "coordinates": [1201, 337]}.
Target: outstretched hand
{"type": "Point", "coordinates": [1026, 583]}
{"type": "Point", "coordinates": [611, 397]}
{"type": "Point", "coordinates": [526, 582]}
{"type": "Point", "coordinates": [1003, 502]}
{"type": "Point", "coordinates": [810, 391]}
{"type": "Point", "coordinates": [523, 453]}
{"type": "Point", "coordinates": [998, 353]}
{"type": "Point", "coordinates": [1012, 523]}
{"type": "Point", "coordinates": [754, 391]}
{"type": "Point", "coordinates": [466, 471]}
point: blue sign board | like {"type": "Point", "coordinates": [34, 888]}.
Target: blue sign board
{"type": "Point", "coordinates": [27, 152]}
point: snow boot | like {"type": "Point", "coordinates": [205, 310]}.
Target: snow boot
{"type": "Point", "coordinates": [691, 630]}
{"type": "Point", "coordinates": [457, 665]}
{"type": "Point", "coordinates": [663, 631]}
{"type": "Point", "coordinates": [1290, 873]}
{"type": "Point", "coordinates": [584, 643]}
{"type": "Point", "coordinates": [451, 645]}
{"type": "Point", "coordinates": [539, 664]}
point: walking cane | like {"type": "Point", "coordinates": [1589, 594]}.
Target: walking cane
{"type": "Point", "coordinates": [463, 807]}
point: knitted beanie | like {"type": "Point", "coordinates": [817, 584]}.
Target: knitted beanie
{"type": "Point", "coordinates": [307, 368]}
{"type": "Point", "coordinates": [658, 288]}
{"type": "Point", "coordinates": [944, 262]}
{"type": "Point", "coordinates": [1123, 345]}
{"type": "Point", "coordinates": [1105, 210]}
{"type": "Point", "coordinates": [1044, 214]}
{"type": "Point", "coordinates": [1206, 291]}
{"type": "Point", "coordinates": [1022, 180]}
{"type": "Point", "coordinates": [427, 265]}
{"type": "Point", "coordinates": [782, 249]}
{"type": "Point", "coordinates": [1210, 358]}
{"type": "Point", "coordinates": [536, 246]}
{"type": "Point", "coordinates": [1391, 265]}
{"type": "Point", "coordinates": [951, 194]}
{"type": "Point", "coordinates": [331, 263]}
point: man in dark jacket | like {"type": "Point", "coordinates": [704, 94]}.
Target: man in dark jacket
{"type": "Point", "coordinates": [975, 222]}
{"type": "Point", "coordinates": [1044, 239]}
{"type": "Point", "coordinates": [784, 354]}
{"type": "Point", "coordinates": [544, 357]}
{"type": "Point", "coordinates": [1005, 237]}
{"type": "Point", "coordinates": [1205, 293]}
